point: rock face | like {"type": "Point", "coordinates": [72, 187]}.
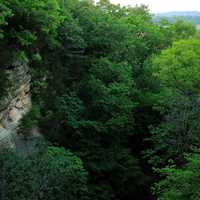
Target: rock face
{"type": "Point", "coordinates": [16, 103]}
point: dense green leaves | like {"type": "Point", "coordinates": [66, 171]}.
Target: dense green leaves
{"type": "Point", "coordinates": [178, 67]}
{"type": "Point", "coordinates": [180, 183]}
{"type": "Point", "coordinates": [109, 83]}
{"type": "Point", "coordinates": [30, 120]}
{"type": "Point", "coordinates": [51, 173]}
{"type": "Point", "coordinates": [177, 70]}
{"type": "Point", "coordinates": [5, 14]}
{"type": "Point", "coordinates": [111, 89]}
{"type": "Point", "coordinates": [28, 24]}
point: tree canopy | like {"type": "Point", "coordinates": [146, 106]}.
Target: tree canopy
{"type": "Point", "coordinates": [114, 93]}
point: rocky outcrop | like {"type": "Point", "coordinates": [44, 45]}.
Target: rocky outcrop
{"type": "Point", "coordinates": [15, 104]}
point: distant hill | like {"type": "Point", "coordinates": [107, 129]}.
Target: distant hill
{"type": "Point", "coordinates": [191, 16]}
{"type": "Point", "coordinates": [179, 14]}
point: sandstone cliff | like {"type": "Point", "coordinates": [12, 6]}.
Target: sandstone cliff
{"type": "Point", "coordinates": [15, 104]}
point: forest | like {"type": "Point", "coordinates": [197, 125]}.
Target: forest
{"type": "Point", "coordinates": [116, 98]}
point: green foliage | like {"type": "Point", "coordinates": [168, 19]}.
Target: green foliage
{"type": "Point", "coordinates": [182, 30]}
{"type": "Point", "coordinates": [30, 120]}
{"type": "Point", "coordinates": [180, 183]}
{"type": "Point", "coordinates": [39, 83]}
{"type": "Point", "coordinates": [178, 67]}
{"type": "Point", "coordinates": [119, 171]}
{"type": "Point", "coordinates": [96, 79]}
{"type": "Point", "coordinates": [5, 13]}
{"type": "Point", "coordinates": [40, 16]}
{"type": "Point", "coordinates": [51, 173]}
{"type": "Point", "coordinates": [178, 133]}
{"type": "Point", "coordinates": [26, 38]}
{"type": "Point", "coordinates": [28, 23]}
{"type": "Point", "coordinates": [70, 109]}
{"type": "Point", "coordinates": [100, 78]}
{"type": "Point", "coordinates": [110, 88]}
{"type": "Point", "coordinates": [176, 71]}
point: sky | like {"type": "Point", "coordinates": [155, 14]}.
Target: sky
{"type": "Point", "coordinates": [164, 5]}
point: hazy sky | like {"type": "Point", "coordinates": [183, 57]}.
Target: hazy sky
{"type": "Point", "coordinates": [164, 5]}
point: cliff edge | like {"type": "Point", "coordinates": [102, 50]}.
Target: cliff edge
{"type": "Point", "coordinates": [15, 104]}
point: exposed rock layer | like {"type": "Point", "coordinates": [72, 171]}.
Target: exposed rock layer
{"type": "Point", "coordinates": [16, 103]}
